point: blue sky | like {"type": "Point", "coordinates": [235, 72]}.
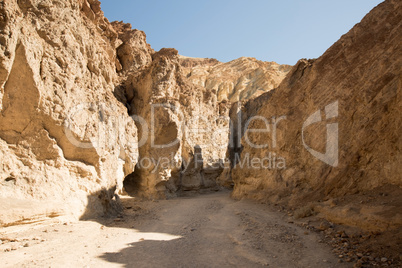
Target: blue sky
{"type": "Point", "coordinates": [282, 30]}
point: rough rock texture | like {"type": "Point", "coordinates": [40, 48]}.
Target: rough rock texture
{"type": "Point", "coordinates": [240, 79]}
{"type": "Point", "coordinates": [65, 141]}
{"type": "Point", "coordinates": [183, 129]}
{"type": "Point", "coordinates": [189, 62]}
{"type": "Point", "coordinates": [134, 52]}
{"type": "Point", "coordinates": [356, 84]}
{"type": "Point", "coordinates": [69, 80]}
{"type": "Point", "coordinates": [183, 121]}
{"type": "Point", "coordinates": [87, 107]}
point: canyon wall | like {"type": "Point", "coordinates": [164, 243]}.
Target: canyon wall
{"type": "Point", "coordinates": [329, 135]}
{"type": "Point", "coordinates": [183, 130]}
{"type": "Point", "coordinates": [89, 110]}
{"type": "Point", "coordinates": [65, 141]}
{"type": "Point", "coordinates": [183, 118]}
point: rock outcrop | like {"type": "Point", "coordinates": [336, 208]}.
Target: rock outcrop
{"type": "Point", "coordinates": [89, 110]}
{"type": "Point", "coordinates": [183, 129]}
{"type": "Point", "coordinates": [329, 135]}
{"type": "Point", "coordinates": [73, 90]}
{"type": "Point", "coordinates": [237, 80]}
{"type": "Point", "coordinates": [182, 106]}
{"type": "Point", "coordinates": [133, 52]}
{"type": "Point", "coordinates": [65, 141]}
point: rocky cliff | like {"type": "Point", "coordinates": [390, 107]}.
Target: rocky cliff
{"type": "Point", "coordinates": [74, 89]}
{"type": "Point", "coordinates": [328, 138]}
{"type": "Point", "coordinates": [89, 110]}
{"type": "Point", "coordinates": [183, 129]}
{"type": "Point", "coordinates": [237, 80]}
{"type": "Point", "coordinates": [66, 142]}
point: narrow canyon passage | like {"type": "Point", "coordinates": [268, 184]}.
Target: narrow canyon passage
{"type": "Point", "coordinates": [209, 230]}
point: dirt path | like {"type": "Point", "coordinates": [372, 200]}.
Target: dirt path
{"type": "Point", "coordinates": [203, 231]}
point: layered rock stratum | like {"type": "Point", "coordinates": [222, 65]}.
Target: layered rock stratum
{"type": "Point", "coordinates": [238, 80]}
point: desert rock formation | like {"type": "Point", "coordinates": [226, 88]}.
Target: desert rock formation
{"type": "Point", "coordinates": [237, 80]}
{"type": "Point", "coordinates": [65, 140]}
{"type": "Point", "coordinates": [183, 129]}
{"type": "Point", "coordinates": [73, 90]}
{"type": "Point", "coordinates": [88, 110]}
{"type": "Point", "coordinates": [336, 121]}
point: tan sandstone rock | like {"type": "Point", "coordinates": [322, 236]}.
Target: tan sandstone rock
{"type": "Point", "coordinates": [65, 141]}
{"type": "Point", "coordinates": [341, 134]}
{"type": "Point", "coordinates": [73, 90]}
{"type": "Point", "coordinates": [182, 129]}
{"type": "Point", "coordinates": [240, 79]}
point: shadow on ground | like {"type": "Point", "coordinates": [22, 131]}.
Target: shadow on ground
{"type": "Point", "coordinates": [163, 233]}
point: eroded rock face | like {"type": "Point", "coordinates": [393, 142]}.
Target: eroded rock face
{"type": "Point", "coordinates": [73, 90]}
{"type": "Point", "coordinates": [237, 80]}
{"type": "Point", "coordinates": [134, 52]}
{"type": "Point", "coordinates": [183, 129]}
{"type": "Point", "coordinates": [65, 141]}
{"type": "Point", "coordinates": [341, 134]}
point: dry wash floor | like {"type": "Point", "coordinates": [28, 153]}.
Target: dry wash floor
{"type": "Point", "coordinates": [203, 231]}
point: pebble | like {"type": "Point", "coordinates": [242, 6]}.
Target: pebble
{"type": "Point", "coordinates": [384, 259]}
{"type": "Point", "coordinates": [324, 225]}
{"type": "Point", "coordinates": [344, 235]}
{"type": "Point", "coordinates": [358, 264]}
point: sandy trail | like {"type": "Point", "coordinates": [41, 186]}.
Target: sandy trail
{"type": "Point", "coordinates": [209, 230]}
